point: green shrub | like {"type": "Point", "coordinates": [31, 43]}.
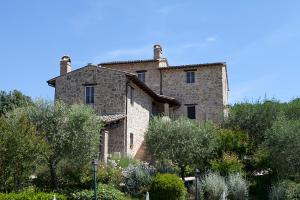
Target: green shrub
{"type": "Point", "coordinates": [237, 187]}
{"type": "Point", "coordinates": [104, 192]}
{"type": "Point", "coordinates": [167, 187]}
{"type": "Point", "coordinates": [166, 166]}
{"type": "Point", "coordinates": [227, 165]}
{"type": "Point", "coordinates": [123, 161]}
{"type": "Point", "coordinates": [285, 190]}
{"type": "Point", "coordinates": [138, 178]}
{"type": "Point", "coordinates": [109, 175]}
{"type": "Point", "coordinates": [213, 187]}
{"type": "Point", "coordinates": [31, 196]}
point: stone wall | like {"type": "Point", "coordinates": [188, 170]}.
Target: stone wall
{"type": "Point", "coordinates": [152, 75]}
{"type": "Point", "coordinates": [206, 92]}
{"type": "Point", "coordinates": [109, 88]}
{"type": "Point", "coordinates": [138, 116]}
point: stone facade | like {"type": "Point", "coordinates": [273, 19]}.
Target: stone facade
{"type": "Point", "coordinates": [139, 110]}
{"type": "Point", "coordinates": [109, 86]}
{"type": "Point", "coordinates": [126, 103]}
{"type": "Point", "coordinates": [206, 93]}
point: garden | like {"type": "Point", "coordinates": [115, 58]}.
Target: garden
{"type": "Point", "coordinates": [46, 151]}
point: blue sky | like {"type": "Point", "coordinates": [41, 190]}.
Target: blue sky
{"type": "Point", "coordinates": [259, 40]}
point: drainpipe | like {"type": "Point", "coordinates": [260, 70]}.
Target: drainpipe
{"type": "Point", "coordinates": [160, 82]}
{"type": "Point", "coordinates": [125, 121]}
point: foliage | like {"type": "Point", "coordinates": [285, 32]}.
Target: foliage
{"type": "Point", "coordinates": [227, 165]}
{"type": "Point", "coordinates": [237, 187]}
{"type": "Point", "coordinates": [71, 132]}
{"type": "Point", "coordinates": [109, 175]}
{"type": "Point", "coordinates": [231, 141]}
{"type": "Point", "coordinates": [104, 192]}
{"type": "Point", "coordinates": [11, 100]}
{"type": "Point", "coordinates": [213, 187]}
{"type": "Point", "coordinates": [20, 150]}
{"type": "Point", "coordinates": [123, 161]}
{"type": "Point", "coordinates": [283, 140]}
{"type": "Point", "coordinates": [31, 195]}
{"type": "Point", "coordinates": [165, 166]}
{"type": "Point", "coordinates": [182, 141]}
{"type": "Point", "coordinates": [253, 118]}
{"type": "Point", "coordinates": [285, 190]}
{"type": "Point", "coordinates": [138, 178]}
{"type": "Point", "coordinates": [167, 187]}
{"type": "Point", "coordinates": [292, 109]}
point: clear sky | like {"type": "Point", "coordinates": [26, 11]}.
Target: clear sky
{"type": "Point", "coordinates": [259, 40]}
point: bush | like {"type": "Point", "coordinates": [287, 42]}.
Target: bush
{"type": "Point", "coordinates": [285, 190]}
{"type": "Point", "coordinates": [138, 179]}
{"type": "Point", "coordinates": [238, 188]}
{"type": "Point", "coordinates": [213, 187]}
{"type": "Point", "coordinates": [109, 175]}
{"type": "Point", "coordinates": [167, 187]}
{"type": "Point", "coordinates": [123, 161]}
{"type": "Point", "coordinates": [31, 196]}
{"type": "Point", "coordinates": [104, 192]}
{"type": "Point", "coordinates": [227, 165]}
{"type": "Point", "coordinates": [165, 166]}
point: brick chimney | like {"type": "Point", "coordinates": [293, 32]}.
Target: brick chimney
{"type": "Point", "coordinates": [157, 50]}
{"type": "Point", "coordinates": [65, 65]}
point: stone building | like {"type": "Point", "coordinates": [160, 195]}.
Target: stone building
{"type": "Point", "coordinates": [125, 94]}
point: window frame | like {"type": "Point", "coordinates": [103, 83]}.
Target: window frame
{"type": "Point", "coordinates": [89, 99]}
{"type": "Point", "coordinates": [190, 76]}
{"type": "Point", "coordinates": [131, 139]}
{"type": "Point", "coordinates": [131, 94]}
{"type": "Point", "coordinates": [194, 114]}
{"type": "Point", "coordinates": [141, 75]}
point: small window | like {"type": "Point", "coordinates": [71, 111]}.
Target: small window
{"type": "Point", "coordinates": [131, 141]}
{"type": "Point", "coordinates": [190, 76]}
{"type": "Point", "coordinates": [191, 112]}
{"type": "Point", "coordinates": [89, 95]}
{"type": "Point", "coordinates": [131, 90]}
{"type": "Point", "coordinates": [141, 75]}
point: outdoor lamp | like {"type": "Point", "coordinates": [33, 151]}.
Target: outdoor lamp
{"type": "Point", "coordinates": [94, 164]}
{"type": "Point", "coordinates": [197, 177]}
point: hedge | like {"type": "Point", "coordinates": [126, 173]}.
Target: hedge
{"type": "Point", "coordinates": [31, 196]}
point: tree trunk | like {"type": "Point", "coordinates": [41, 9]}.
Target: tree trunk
{"type": "Point", "coordinates": [54, 181]}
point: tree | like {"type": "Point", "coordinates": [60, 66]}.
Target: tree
{"type": "Point", "coordinates": [20, 149]}
{"type": "Point", "coordinates": [72, 133]}
{"type": "Point", "coordinates": [282, 141]}
{"type": "Point", "coordinates": [181, 141]}
{"type": "Point", "coordinates": [253, 118]}
{"type": "Point", "coordinates": [11, 100]}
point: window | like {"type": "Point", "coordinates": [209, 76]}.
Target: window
{"type": "Point", "coordinates": [89, 94]}
{"type": "Point", "coordinates": [190, 77]}
{"type": "Point", "coordinates": [141, 75]}
{"type": "Point", "coordinates": [131, 89]}
{"type": "Point", "coordinates": [191, 111]}
{"type": "Point", "coordinates": [131, 141]}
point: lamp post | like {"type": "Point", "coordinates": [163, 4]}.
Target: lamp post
{"type": "Point", "coordinates": [94, 163]}
{"type": "Point", "coordinates": [197, 177]}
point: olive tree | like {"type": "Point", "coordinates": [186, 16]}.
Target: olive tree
{"type": "Point", "coordinates": [72, 133]}
{"type": "Point", "coordinates": [182, 141]}
{"type": "Point", "coordinates": [20, 149]}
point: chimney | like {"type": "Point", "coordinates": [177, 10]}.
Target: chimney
{"type": "Point", "coordinates": [65, 65]}
{"type": "Point", "coordinates": [157, 51]}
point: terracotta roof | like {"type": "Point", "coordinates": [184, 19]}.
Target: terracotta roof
{"type": "Point", "coordinates": [151, 93]}
{"type": "Point", "coordinates": [112, 118]}
{"type": "Point", "coordinates": [192, 66]}
{"type": "Point", "coordinates": [128, 61]}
